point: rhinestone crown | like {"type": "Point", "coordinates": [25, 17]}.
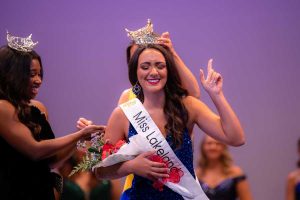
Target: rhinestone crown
{"type": "Point", "coordinates": [144, 35]}
{"type": "Point", "coordinates": [19, 43]}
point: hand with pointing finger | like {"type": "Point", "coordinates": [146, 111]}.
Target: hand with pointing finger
{"type": "Point", "coordinates": [213, 82]}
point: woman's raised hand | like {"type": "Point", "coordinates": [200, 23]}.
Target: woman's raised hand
{"type": "Point", "coordinates": [213, 82]}
{"type": "Point", "coordinates": [166, 41]}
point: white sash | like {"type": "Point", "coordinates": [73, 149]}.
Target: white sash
{"type": "Point", "coordinates": [138, 116]}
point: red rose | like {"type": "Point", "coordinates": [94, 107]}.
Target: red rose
{"type": "Point", "coordinates": [174, 175]}
{"type": "Point", "coordinates": [107, 147]}
{"type": "Point", "coordinates": [118, 145]}
{"type": "Point", "coordinates": [158, 185]}
{"type": "Point", "coordinates": [107, 150]}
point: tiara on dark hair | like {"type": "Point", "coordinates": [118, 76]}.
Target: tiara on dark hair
{"type": "Point", "coordinates": [19, 43]}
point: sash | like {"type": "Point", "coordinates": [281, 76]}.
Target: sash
{"type": "Point", "coordinates": [129, 178]}
{"type": "Point", "coordinates": [138, 116]}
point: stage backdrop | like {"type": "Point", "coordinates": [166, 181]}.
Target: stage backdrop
{"type": "Point", "coordinates": [255, 46]}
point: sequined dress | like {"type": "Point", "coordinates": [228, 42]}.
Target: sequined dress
{"type": "Point", "coordinates": [142, 188]}
{"type": "Point", "coordinates": [226, 190]}
{"type": "Point", "coordinates": [21, 177]}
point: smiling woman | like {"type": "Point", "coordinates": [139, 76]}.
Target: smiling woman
{"type": "Point", "coordinates": [170, 113]}
{"type": "Point", "coordinates": [152, 71]}
{"type": "Point", "coordinates": [218, 176]}
{"type": "Point", "coordinates": [35, 76]}
{"type": "Point", "coordinates": [28, 148]}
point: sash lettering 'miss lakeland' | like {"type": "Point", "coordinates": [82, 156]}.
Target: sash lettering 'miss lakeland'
{"type": "Point", "coordinates": [142, 122]}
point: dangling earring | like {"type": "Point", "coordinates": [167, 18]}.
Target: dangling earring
{"type": "Point", "coordinates": [136, 89]}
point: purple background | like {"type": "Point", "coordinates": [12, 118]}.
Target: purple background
{"type": "Point", "coordinates": [255, 46]}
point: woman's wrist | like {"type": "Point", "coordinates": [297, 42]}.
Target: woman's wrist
{"type": "Point", "coordinates": [128, 167]}
{"type": "Point", "coordinates": [216, 95]}
{"type": "Point", "coordinates": [173, 52]}
{"type": "Point", "coordinates": [78, 136]}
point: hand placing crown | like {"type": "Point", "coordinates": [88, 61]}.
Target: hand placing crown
{"type": "Point", "coordinates": [144, 35]}
{"type": "Point", "coordinates": [19, 43]}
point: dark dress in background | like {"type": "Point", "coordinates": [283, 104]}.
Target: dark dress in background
{"type": "Point", "coordinates": [226, 190]}
{"type": "Point", "coordinates": [22, 178]}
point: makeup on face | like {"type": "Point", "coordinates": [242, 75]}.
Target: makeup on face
{"type": "Point", "coordinates": [152, 70]}
{"type": "Point", "coordinates": [35, 78]}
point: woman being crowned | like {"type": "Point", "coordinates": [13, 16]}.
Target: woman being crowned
{"type": "Point", "coordinates": [158, 125]}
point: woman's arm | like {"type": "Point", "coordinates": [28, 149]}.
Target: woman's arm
{"type": "Point", "coordinates": [65, 153]}
{"type": "Point", "coordinates": [20, 137]}
{"type": "Point", "coordinates": [188, 80]}
{"type": "Point", "coordinates": [140, 165]}
{"type": "Point", "coordinates": [243, 190]}
{"type": "Point", "coordinates": [62, 156]}
{"type": "Point", "coordinates": [124, 96]}
{"type": "Point", "coordinates": [242, 187]}
{"type": "Point", "coordinates": [117, 128]}
{"type": "Point", "coordinates": [225, 127]}
{"type": "Point", "coordinates": [116, 189]}
{"type": "Point", "coordinates": [290, 187]}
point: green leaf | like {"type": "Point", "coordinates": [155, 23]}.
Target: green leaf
{"type": "Point", "coordinates": [93, 150]}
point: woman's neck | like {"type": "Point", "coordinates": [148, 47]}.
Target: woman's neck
{"type": "Point", "coordinates": [154, 100]}
{"type": "Point", "coordinates": [214, 164]}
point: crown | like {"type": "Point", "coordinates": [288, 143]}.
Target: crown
{"type": "Point", "coordinates": [19, 43]}
{"type": "Point", "coordinates": [144, 35]}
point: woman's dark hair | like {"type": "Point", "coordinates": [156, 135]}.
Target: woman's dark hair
{"type": "Point", "coordinates": [128, 55]}
{"type": "Point", "coordinates": [15, 80]}
{"type": "Point", "coordinates": [177, 115]}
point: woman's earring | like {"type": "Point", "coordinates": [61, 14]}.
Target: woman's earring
{"type": "Point", "coordinates": [136, 89]}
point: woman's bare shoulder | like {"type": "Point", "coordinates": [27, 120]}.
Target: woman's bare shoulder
{"type": "Point", "coordinates": [40, 106]}
{"type": "Point", "coordinates": [124, 96]}
{"type": "Point", "coordinates": [118, 117]}
{"type": "Point", "coordinates": [236, 171]}
{"type": "Point", "coordinates": [294, 175]}
{"type": "Point", "coordinates": [8, 116]}
{"type": "Point", "coordinates": [6, 107]}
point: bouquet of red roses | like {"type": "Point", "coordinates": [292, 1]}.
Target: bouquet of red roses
{"type": "Point", "coordinates": [95, 151]}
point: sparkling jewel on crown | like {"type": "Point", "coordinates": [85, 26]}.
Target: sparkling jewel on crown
{"type": "Point", "coordinates": [144, 35]}
{"type": "Point", "coordinates": [19, 43]}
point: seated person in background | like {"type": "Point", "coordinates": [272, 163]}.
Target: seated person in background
{"type": "Point", "coordinates": [219, 178]}
{"type": "Point", "coordinates": [84, 185]}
